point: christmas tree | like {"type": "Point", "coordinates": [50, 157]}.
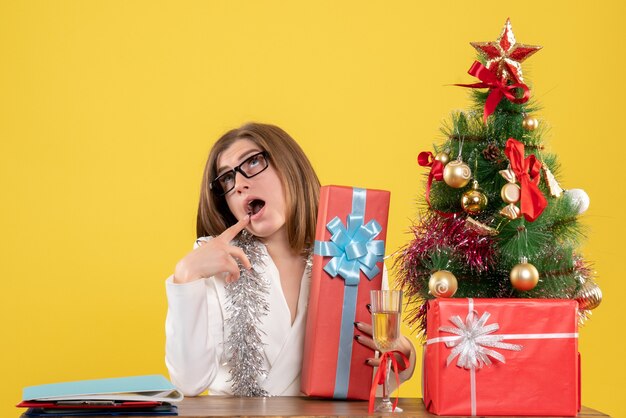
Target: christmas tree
{"type": "Point", "coordinates": [496, 223]}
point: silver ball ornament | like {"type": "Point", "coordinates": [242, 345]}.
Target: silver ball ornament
{"type": "Point", "coordinates": [579, 198]}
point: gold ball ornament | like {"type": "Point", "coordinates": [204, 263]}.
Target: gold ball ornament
{"type": "Point", "coordinates": [442, 157]}
{"type": "Point", "coordinates": [589, 296]}
{"type": "Point", "coordinates": [457, 174]}
{"type": "Point", "coordinates": [442, 284]}
{"type": "Point", "coordinates": [530, 123]}
{"type": "Point", "coordinates": [474, 201]}
{"type": "Point", "coordinates": [524, 276]}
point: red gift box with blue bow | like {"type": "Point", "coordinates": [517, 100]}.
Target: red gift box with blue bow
{"type": "Point", "coordinates": [347, 264]}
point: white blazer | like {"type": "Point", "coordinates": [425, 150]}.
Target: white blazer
{"type": "Point", "coordinates": [195, 330]}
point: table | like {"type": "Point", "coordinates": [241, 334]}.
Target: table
{"type": "Point", "coordinates": [290, 406]}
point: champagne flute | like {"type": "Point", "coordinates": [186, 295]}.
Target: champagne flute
{"type": "Point", "coordinates": [386, 310]}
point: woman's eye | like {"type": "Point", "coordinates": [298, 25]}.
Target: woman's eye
{"type": "Point", "coordinates": [227, 179]}
{"type": "Point", "coordinates": [254, 161]}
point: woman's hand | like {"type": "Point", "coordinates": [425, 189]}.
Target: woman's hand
{"type": "Point", "coordinates": [214, 257]}
{"type": "Point", "coordinates": [365, 338]}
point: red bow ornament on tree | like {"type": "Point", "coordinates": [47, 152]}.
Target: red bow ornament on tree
{"type": "Point", "coordinates": [527, 170]}
{"type": "Point", "coordinates": [427, 159]}
{"type": "Point", "coordinates": [498, 88]}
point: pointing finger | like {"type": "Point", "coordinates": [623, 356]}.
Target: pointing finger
{"type": "Point", "coordinates": [230, 233]}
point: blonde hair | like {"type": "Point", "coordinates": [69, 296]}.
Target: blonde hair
{"type": "Point", "coordinates": [294, 169]}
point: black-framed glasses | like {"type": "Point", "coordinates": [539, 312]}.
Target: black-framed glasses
{"type": "Point", "coordinates": [252, 166]}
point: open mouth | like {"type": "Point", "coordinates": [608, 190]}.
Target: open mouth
{"type": "Point", "coordinates": [254, 206]}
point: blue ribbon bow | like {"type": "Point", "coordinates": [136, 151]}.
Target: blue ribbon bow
{"type": "Point", "coordinates": [353, 249]}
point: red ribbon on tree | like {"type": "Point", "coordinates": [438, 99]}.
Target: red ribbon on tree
{"type": "Point", "coordinates": [499, 88]}
{"type": "Point", "coordinates": [381, 375]}
{"type": "Point", "coordinates": [527, 170]}
{"type": "Point", "coordinates": [427, 159]}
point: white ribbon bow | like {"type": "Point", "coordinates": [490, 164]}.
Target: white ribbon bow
{"type": "Point", "coordinates": [472, 341]}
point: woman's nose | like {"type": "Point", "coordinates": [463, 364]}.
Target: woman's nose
{"type": "Point", "coordinates": [241, 182]}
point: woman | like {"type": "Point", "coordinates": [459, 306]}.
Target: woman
{"type": "Point", "coordinates": [256, 178]}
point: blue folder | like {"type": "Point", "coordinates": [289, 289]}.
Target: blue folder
{"type": "Point", "coordinates": [136, 388]}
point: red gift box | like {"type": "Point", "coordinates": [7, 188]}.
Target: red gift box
{"type": "Point", "coordinates": [347, 264]}
{"type": "Point", "coordinates": [502, 357]}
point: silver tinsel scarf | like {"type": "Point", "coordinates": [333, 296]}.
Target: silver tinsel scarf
{"type": "Point", "coordinates": [247, 304]}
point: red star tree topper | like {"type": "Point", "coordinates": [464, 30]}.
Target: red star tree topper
{"type": "Point", "coordinates": [504, 56]}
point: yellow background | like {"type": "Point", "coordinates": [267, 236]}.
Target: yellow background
{"type": "Point", "coordinates": [108, 110]}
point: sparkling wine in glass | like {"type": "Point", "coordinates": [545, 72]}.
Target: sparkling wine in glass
{"type": "Point", "coordinates": [386, 329]}
{"type": "Point", "coordinates": [386, 310]}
